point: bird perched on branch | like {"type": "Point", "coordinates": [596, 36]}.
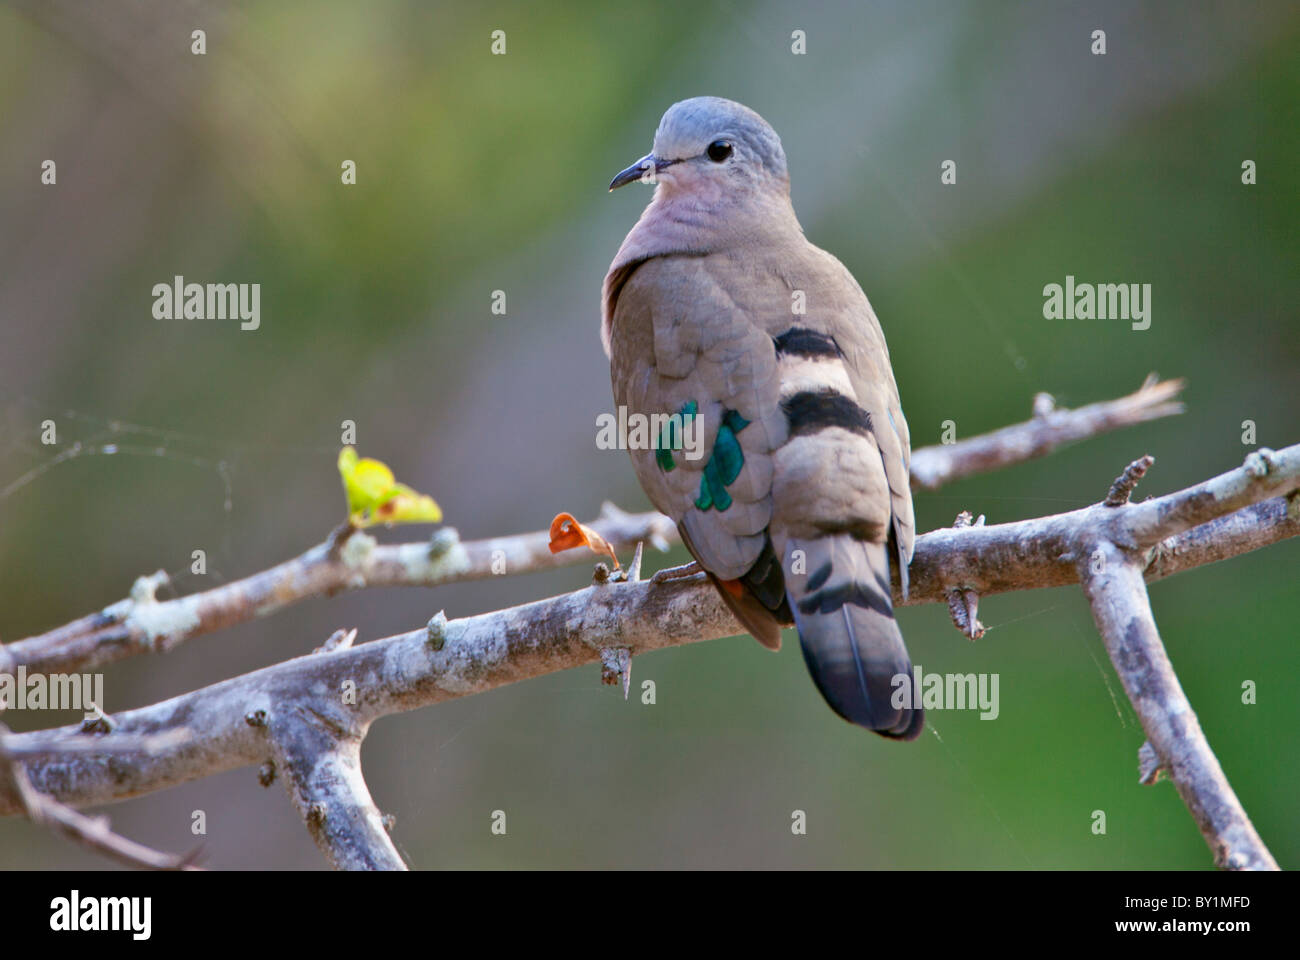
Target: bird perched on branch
{"type": "Point", "coordinates": [717, 307]}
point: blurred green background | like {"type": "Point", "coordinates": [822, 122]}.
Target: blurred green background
{"type": "Point", "coordinates": [478, 173]}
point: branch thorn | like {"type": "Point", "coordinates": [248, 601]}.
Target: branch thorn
{"type": "Point", "coordinates": [616, 664]}
{"type": "Point", "coordinates": [1150, 769]}
{"type": "Point", "coordinates": [339, 640]}
{"type": "Point", "coordinates": [633, 572]}
{"type": "Point", "coordinates": [442, 540]}
{"type": "Point", "coordinates": [963, 605]}
{"type": "Point", "coordinates": [1124, 484]}
{"type": "Point", "coordinates": [436, 630]}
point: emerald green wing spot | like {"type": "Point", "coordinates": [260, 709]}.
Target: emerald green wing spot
{"type": "Point", "coordinates": [704, 501]}
{"type": "Point", "coordinates": [712, 487]}
{"type": "Point", "coordinates": [670, 438]}
{"type": "Point", "coordinates": [727, 455]}
{"type": "Point", "coordinates": [724, 465]}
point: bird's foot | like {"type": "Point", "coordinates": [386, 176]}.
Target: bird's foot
{"type": "Point", "coordinates": [685, 571]}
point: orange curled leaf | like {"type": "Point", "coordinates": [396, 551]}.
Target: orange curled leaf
{"type": "Point", "coordinates": [567, 533]}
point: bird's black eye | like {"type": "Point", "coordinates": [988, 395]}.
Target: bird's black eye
{"type": "Point", "coordinates": [719, 150]}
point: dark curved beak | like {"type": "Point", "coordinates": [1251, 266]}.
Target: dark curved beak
{"type": "Point", "coordinates": [643, 170]}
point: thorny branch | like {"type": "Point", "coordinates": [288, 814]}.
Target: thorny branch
{"type": "Point", "coordinates": [1114, 586]}
{"type": "Point", "coordinates": [350, 561]}
{"type": "Point", "coordinates": [91, 832]}
{"type": "Point", "coordinates": [1048, 430]}
{"type": "Point", "coordinates": [290, 717]}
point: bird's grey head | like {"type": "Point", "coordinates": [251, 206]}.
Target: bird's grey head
{"type": "Point", "coordinates": [714, 149]}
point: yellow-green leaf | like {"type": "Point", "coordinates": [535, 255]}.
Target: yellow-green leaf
{"type": "Point", "coordinates": [374, 496]}
{"type": "Point", "coordinates": [407, 506]}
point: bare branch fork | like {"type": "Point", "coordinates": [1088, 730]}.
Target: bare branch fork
{"type": "Point", "coordinates": [291, 716]}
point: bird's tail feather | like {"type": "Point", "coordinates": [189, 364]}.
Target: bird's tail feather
{"type": "Point", "coordinates": [840, 595]}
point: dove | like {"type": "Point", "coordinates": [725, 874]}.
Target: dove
{"type": "Point", "coordinates": [716, 307]}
